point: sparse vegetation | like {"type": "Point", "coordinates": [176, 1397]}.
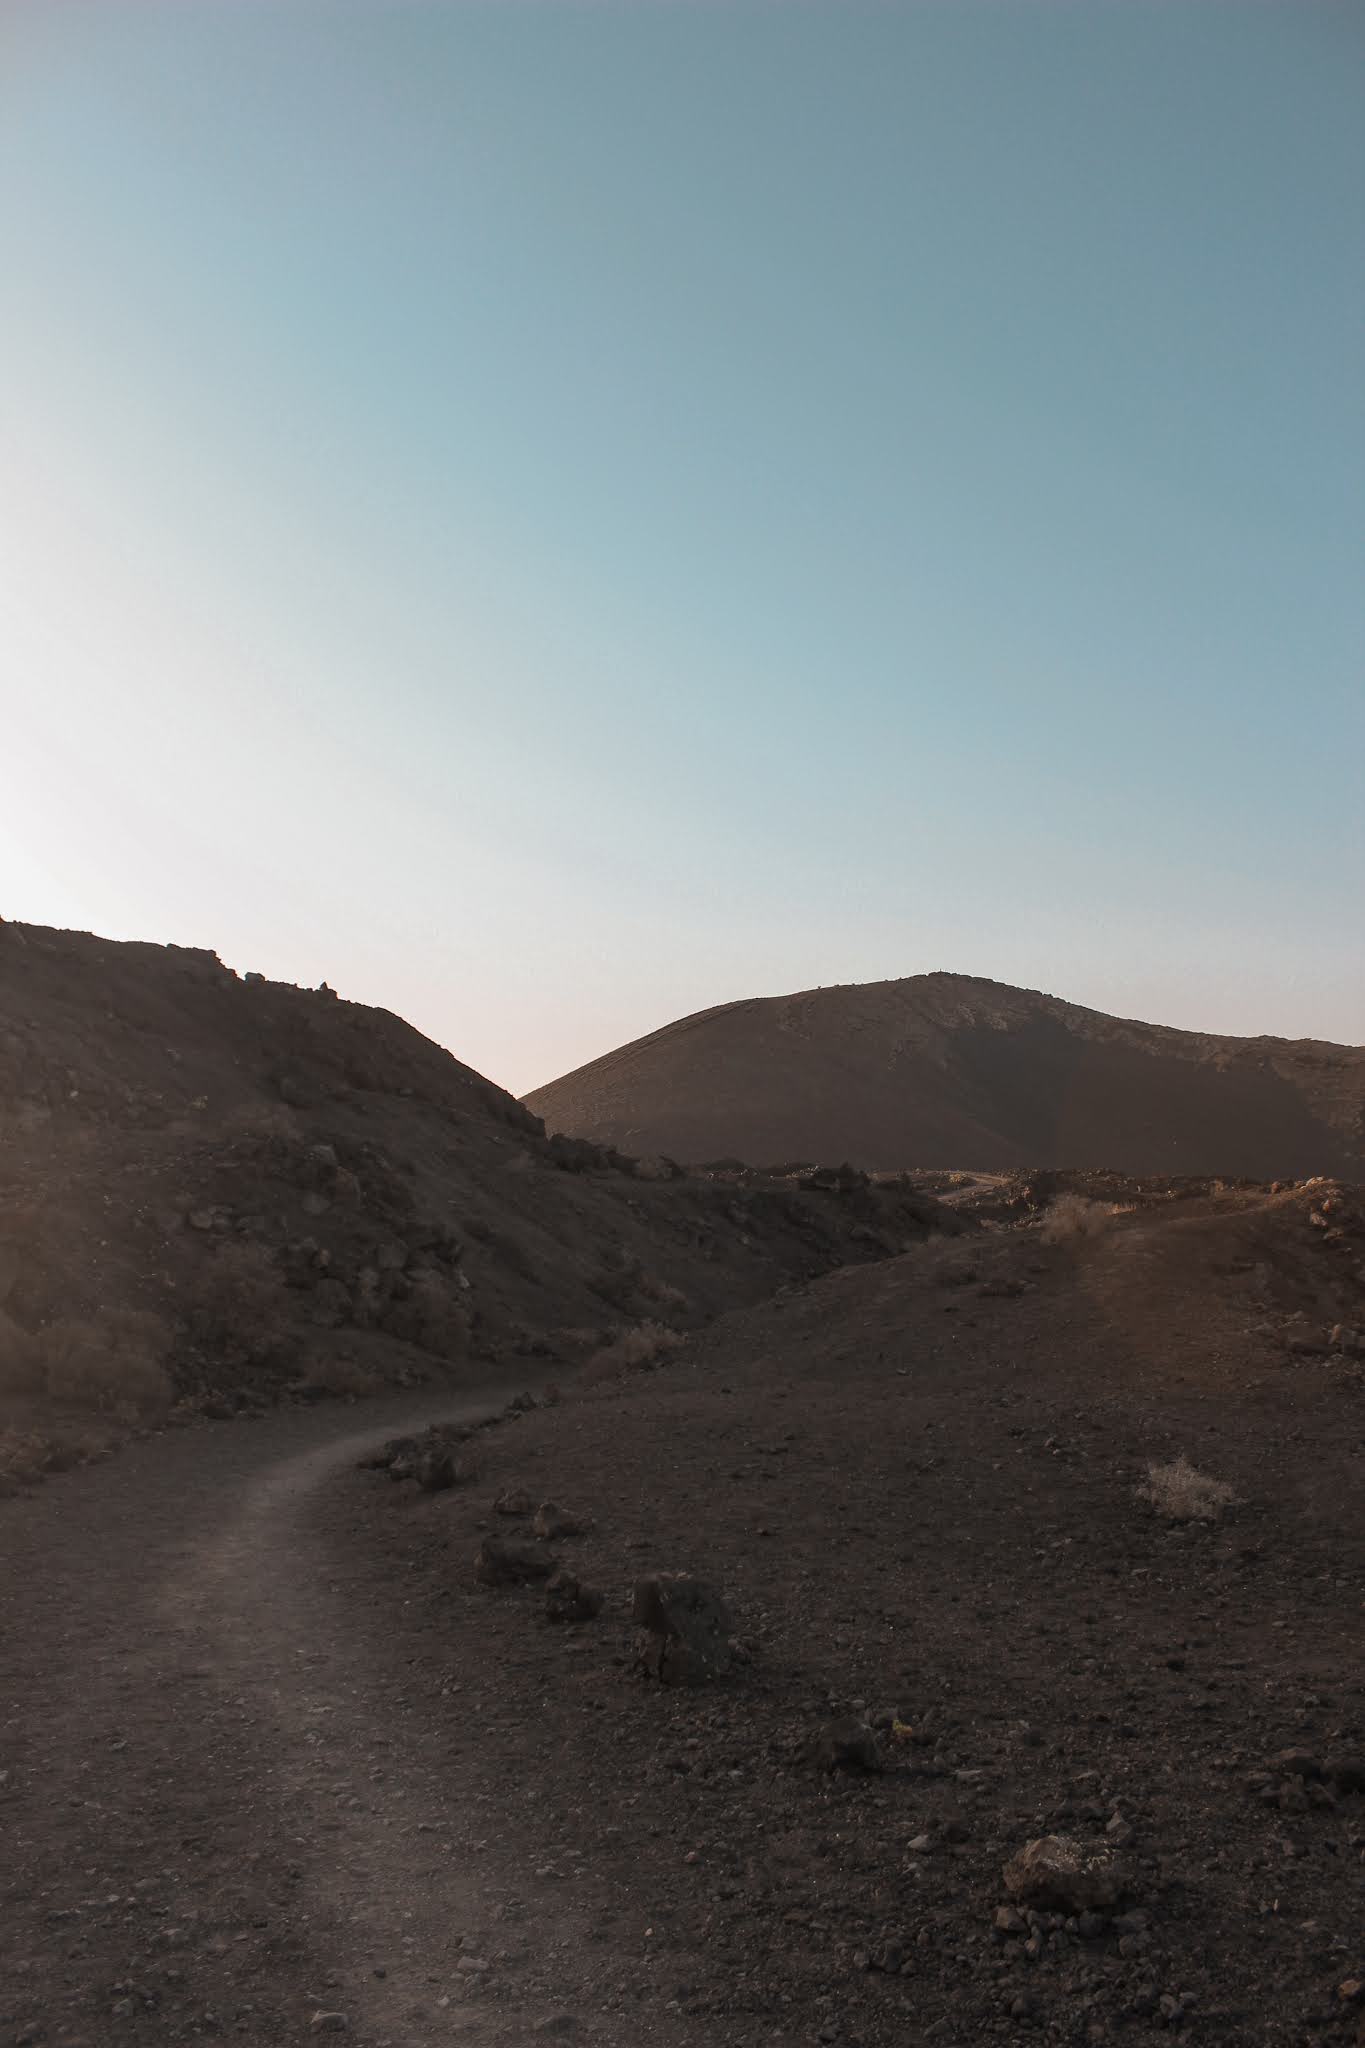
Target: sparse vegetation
{"type": "Point", "coordinates": [635, 1350]}
{"type": "Point", "coordinates": [242, 1309]}
{"type": "Point", "coordinates": [1182, 1493]}
{"type": "Point", "coordinates": [335, 1374]}
{"type": "Point", "coordinates": [663, 1294]}
{"type": "Point", "coordinates": [1072, 1218]}
{"type": "Point", "coordinates": [114, 1363]}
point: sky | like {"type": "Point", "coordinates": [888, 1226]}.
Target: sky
{"type": "Point", "coordinates": [552, 516]}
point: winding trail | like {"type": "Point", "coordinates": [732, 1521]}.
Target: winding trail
{"type": "Point", "coordinates": [227, 1806]}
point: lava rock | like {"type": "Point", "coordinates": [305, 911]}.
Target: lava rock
{"type": "Point", "coordinates": [848, 1745]}
{"type": "Point", "coordinates": [551, 1520]}
{"type": "Point", "coordinates": [511, 1564]}
{"type": "Point", "coordinates": [687, 1628]}
{"type": "Point", "coordinates": [568, 1599]}
{"type": "Point", "coordinates": [1057, 1872]}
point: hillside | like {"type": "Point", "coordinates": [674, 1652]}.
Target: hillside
{"type": "Point", "coordinates": [949, 1070]}
{"type": "Point", "coordinates": [977, 1598]}
{"type": "Point", "coordinates": [218, 1191]}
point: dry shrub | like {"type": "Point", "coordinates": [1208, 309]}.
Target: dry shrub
{"type": "Point", "coordinates": [115, 1363]}
{"type": "Point", "coordinates": [340, 1376]}
{"type": "Point", "coordinates": [242, 1307]}
{"type": "Point", "coordinates": [1071, 1218]}
{"type": "Point", "coordinates": [663, 1293]}
{"type": "Point", "coordinates": [633, 1350]}
{"type": "Point", "coordinates": [1182, 1493]}
{"type": "Point", "coordinates": [432, 1316]}
{"type": "Point", "coordinates": [21, 1369]}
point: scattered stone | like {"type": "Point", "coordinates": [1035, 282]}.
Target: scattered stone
{"type": "Point", "coordinates": [436, 1471]}
{"type": "Point", "coordinates": [1296, 1763]}
{"type": "Point", "coordinates": [687, 1629]}
{"type": "Point", "coordinates": [551, 1520]}
{"type": "Point", "coordinates": [567, 1599]}
{"type": "Point", "coordinates": [513, 1500]}
{"type": "Point", "coordinates": [1057, 1872]}
{"type": "Point", "coordinates": [511, 1564]}
{"type": "Point", "coordinates": [848, 1745]}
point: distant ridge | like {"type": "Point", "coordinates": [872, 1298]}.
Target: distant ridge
{"type": "Point", "coordinates": [950, 1070]}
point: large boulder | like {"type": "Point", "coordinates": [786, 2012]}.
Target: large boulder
{"type": "Point", "coordinates": [687, 1629]}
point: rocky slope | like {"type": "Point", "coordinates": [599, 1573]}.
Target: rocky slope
{"type": "Point", "coordinates": [948, 1070]}
{"type": "Point", "coordinates": [221, 1189]}
{"type": "Point", "coordinates": [965, 1615]}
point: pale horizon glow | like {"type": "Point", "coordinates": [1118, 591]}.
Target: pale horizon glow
{"type": "Point", "coordinates": [551, 517]}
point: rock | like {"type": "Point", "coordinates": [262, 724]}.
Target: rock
{"type": "Point", "coordinates": [1009, 1920]}
{"type": "Point", "coordinates": [688, 1628]}
{"type": "Point", "coordinates": [329, 2023]}
{"type": "Point", "coordinates": [513, 1500]}
{"type": "Point", "coordinates": [1296, 1763]}
{"type": "Point", "coordinates": [551, 1520]}
{"type": "Point", "coordinates": [1056, 1872]}
{"type": "Point", "coordinates": [1346, 1772]}
{"type": "Point", "coordinates": [511, 1564]}
{"type": "Point", "coordinates": [436, 1471]}
{"type": "Point", "coordinates": [847, 1745]}
{"type": "Point", "coordinates": [567, 1599]}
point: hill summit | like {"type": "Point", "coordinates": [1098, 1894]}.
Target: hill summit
{"type": "Point", "coordinates": [950, 1070]}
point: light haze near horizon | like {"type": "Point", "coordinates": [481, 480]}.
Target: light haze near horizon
{"type": "Point", "coordinates": [550, 517]}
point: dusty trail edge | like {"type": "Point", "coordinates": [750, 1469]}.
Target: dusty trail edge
{"type": "Point", "coordinates": [226, 1804]}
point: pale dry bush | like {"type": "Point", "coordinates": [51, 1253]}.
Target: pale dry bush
{"type": "Point", "coordinates": [1182, 1493]}
{"type": "Point", "coordinates": [663, 1293]}
{"type": "Point", "coordinates": [115, 1362]}
{"type": "Point", "coordinates": [1072, 1217]}
{"type": "Point", "coordinates": [633, 1350]}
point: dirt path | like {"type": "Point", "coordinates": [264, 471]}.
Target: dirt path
{"type": "Point", "coordinates": [227, 1805]}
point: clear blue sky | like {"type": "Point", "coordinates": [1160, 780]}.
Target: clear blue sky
{"type": "Point", "coordinates": [554, 516]}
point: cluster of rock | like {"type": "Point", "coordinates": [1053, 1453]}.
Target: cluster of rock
{"type": "Point", "coordinates": [685, 1628]}
{"type": "Point", "coordinates": [1297, 1781]}
{"type": "Point", "coordinates": [514, 1561]}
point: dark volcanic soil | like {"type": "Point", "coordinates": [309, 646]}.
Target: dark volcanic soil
{"type": "Point", "coordinates": [226, 1191]}
{"type": "Point", "coordinates": [270, 1753]}
{"type": "Point", "coordinates": [918, 1488]}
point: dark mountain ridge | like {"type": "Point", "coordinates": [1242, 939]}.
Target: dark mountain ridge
{"type": "Point", "coordinates": [951, 1070]}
